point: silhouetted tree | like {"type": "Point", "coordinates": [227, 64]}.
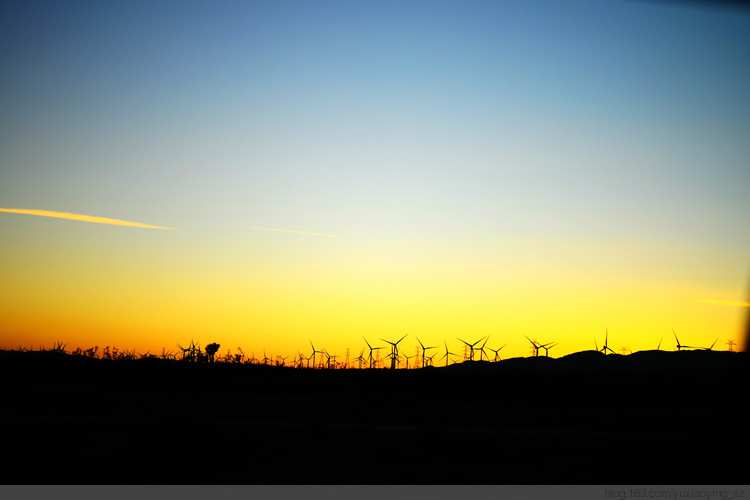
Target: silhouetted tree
{"type": "Point", "coordinates": [211, 350]}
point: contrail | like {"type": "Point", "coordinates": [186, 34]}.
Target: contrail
{"type": "Point", "coordinates": [295, 231]}
{"type": "Point", "coordinates": [84, 218]}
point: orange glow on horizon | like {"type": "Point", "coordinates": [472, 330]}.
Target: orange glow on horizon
{"type": "Point", "coordinates": [148, 292]}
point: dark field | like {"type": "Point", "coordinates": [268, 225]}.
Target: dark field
{"type": "Point", "coordinates": [647, 418]}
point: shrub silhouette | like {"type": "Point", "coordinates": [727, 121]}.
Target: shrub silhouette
{"type": "Point", "coordinates": [211, 350]}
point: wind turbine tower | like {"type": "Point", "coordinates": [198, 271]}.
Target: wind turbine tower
{"type": "Point", "coordinates": [394, 351]}
{"type": "Point", "coordinates": [535, 346]}
{"type": "Point", "coordinates": [471, 348]}
{"type": "Point", "coordinates": [424, 350]}
{"type": "Point", "coordinates": [447, 354]}
{"type": "Point", "coordinates": [606, 348]}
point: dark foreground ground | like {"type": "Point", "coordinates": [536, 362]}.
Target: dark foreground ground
{"type": "Point", "coordinates": [648, 418]}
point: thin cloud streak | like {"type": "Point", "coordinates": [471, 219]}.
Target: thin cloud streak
{"type": "Point", "coordinates": [79, 217]}
{"type": "Point", "coordinates": [731, 303]}
{"type": "Point", "coordinates": [294, 231]}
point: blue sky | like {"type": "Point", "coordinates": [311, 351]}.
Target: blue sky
{"type": "Point", "coordinates": [602, 101]}
{"type": "Point", "coordinates": [466, 125]}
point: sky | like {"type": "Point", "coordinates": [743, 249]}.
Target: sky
{"type": "Point", "coordinates": [266, 174]}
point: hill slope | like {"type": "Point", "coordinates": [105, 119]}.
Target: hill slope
{"type": "Point", "coordinates": [586, 418]}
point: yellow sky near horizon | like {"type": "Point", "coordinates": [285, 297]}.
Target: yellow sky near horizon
{"type": "Point", "coordinates": [84, 286]}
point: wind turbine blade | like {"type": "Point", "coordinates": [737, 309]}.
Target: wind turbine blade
{"type": "Point", "coordinates": [402, 338]}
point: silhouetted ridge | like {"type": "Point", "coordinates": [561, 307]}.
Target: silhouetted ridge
{"type": "Point", "coordinates": [585, 418]}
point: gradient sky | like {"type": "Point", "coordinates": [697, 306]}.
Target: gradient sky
{"type": "Point", "coordinates": [443, 169]}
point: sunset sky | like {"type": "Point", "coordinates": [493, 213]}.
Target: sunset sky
{"type": "Point", "coordinates": [262, 174]}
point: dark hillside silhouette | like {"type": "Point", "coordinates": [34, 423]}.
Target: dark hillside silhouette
{"type": "Point", "coordinates": [586, 418]}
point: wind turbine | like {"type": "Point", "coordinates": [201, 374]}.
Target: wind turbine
{"type": "Point", "coordinates": [471, 347]}
{"type": "Point", "coordinates": [395, 359]}
{"type": "Point", "coordinates": [328, 359]}
{"type": "Point", "coordinates": [394, 350]}
{"type": "Point", "coordinates": [312, 356]}
{"type": "Point", "coordinates": [360, 358]}
{"type": "Point", "coordinates": [709, 348]}
{"type": "Point", "coordinates": [447, 353]}
{"type": "Point", "coordinates": [407, 359]}
{"type": "Point", "coordinates": [430, 358]}
{"type": "Point", "coordinates": [302, 357]}
{"type": "Point", "coordinates": [536, 346]}
{"type": "Point", "coordinates": [327, 362]}
{"type": "Point", "coordinates": [242, 357]}
{"type": "Point", "coordinates": [547, 347]}
{"type": "Point", "coordinates": [191, 352]}
{"type": "Point", "coordinates": [606, 347]}
{"type": "Point", "coordinates": [424, 350]}
{"type": "Point", "coordinates": [331, 357]}
{"type": "Point", "coordinates": [370, 358]}
{"type": "Point", "coordinates": [166, 354]}
{"type": "Point", "coordinates": [680, 346]}
{"type": "Point", "coordinates": [281, 360]}
{"type": "Point", "coordinates": [497, 352]}
{"type": "Point", "coordinates": [481, 349]}
{"type": "Point", "coordinates": [266, 359]}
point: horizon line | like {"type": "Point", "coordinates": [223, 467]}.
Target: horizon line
{"type": "Point", "coordinates": [722, 302]}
